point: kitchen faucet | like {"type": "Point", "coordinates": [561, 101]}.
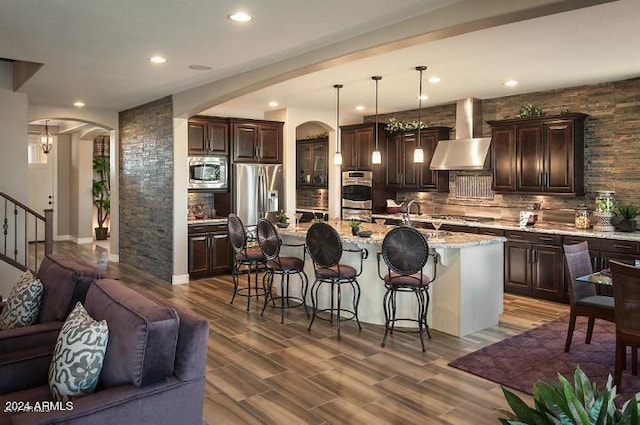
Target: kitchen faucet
{"type": "Point", "coordinates": [405, 217]}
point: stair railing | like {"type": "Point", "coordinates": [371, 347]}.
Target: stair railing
{"type": "Point", "coordinates": [21, 241]}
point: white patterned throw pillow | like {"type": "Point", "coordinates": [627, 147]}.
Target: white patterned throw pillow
{"type": "Point", "coordinates": [23, 304]}
{"type": "Point", "coordinates": [78, 355]}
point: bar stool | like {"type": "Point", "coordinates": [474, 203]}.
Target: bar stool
{"type": "Point", "coordinates": [270, 245]}
{"type": "Point", "coordinates": [325, 249]}
{"type": "Point", "coordinates": [405, 252]}
{"type": "Point", "coordinates": [252, 258]}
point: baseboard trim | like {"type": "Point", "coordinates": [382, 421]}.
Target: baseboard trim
{"type": "Point", "coordinates": [114, 258]}
{"type": "Point", "coordinates": [83, 241]}
{"type": "Point", "coordinates": [62, 238]}
{"type": "Point", "coordinates": [179, 279]}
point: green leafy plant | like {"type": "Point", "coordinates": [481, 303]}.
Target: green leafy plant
{"type": "Point", "coordinates": [529, 110]}
{"type": "Point", "coordinates": [282, 217]}
{"type": "Point", "coordinates": [355, 224]}
{"type": "Point", "coordinates": [626, 212]}
{"type": "Point", "coordinates": [101, 190]}
{"type": "Point", "coordinates": [563, 403]}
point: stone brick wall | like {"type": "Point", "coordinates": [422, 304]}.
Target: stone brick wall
{"type": "Point", "coordinates": [146, 188]}
{"type": "Point", "coordinates": [612, 147]}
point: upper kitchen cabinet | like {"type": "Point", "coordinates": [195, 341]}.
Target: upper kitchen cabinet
{"type": "Point", "coordinates": [312, 162]}
{"type": "Point", "coordinates": [402, 172]}
{"type": "Point", "coordinates": [358, 142]}
{"type": "Point", "coordinates": [543, 155]}
{"type": "Point", "coordinates": [208, 136]}
{"type": "Point", "coordinates": [257, 141]}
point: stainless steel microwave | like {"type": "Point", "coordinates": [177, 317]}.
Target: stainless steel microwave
{"type": "Point", "coordinates": [208, 172]}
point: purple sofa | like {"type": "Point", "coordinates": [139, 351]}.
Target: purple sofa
{"type": "Point", "coordinates": [65, 282]}
{"type": "Point", "coordinates": [153, 372]}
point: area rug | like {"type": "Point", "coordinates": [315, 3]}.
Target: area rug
{"type": "Point", "coordinates": [520, 361]}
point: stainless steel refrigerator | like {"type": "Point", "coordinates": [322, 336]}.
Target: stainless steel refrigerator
{"type": "Point", "coordinates": [258, 191]}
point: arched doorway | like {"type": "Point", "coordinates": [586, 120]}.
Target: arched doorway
{"type": "Point", "coordinates": [63, 178]}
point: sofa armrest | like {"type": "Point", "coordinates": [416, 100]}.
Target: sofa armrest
{"type": "Point", "coordinates": [169, 402]}
{"type": "Point", "coordinates": [21, 370]}
{"type": "Point", "coordinates": [40, 334]}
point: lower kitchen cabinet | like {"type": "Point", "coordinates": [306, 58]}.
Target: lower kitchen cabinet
{"type": "Point", "coordinates": [534, 265]}
{"type": "Point", "coordinates": [209, 250]}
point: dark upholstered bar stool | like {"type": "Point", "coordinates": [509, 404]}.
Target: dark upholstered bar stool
{"type": "Point", "coordinates": [405, 252]}
{"type": "Point", "coordinates": [583, 298]}
{"type": "Point", "coordinates": [251, 258]}
{"type": "Point", "coordinates": [626, 292]}
{"type": "Point", "coordinates": [270, 245]}
{"type": "Point", "coordinates": [325, 249]}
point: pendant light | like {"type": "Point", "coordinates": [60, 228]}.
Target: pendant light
{"type": "Point", "coordinates": [46, 140]}
{"type": "Point", "coordinates": [376, 158]}
{"type": "Point", "coordinates": [418, 154]}
{"type": "Point", "coordinates": [337, 157]}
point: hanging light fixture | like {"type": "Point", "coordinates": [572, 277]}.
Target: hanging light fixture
{"type": "Point", "coordinates": [376, 158]}
{"type": "Point", "coordinates": [337, 157]}
{"type": "Point", "coordinates": [46, 140]}
{"type": "Point", "coordinates": [418, 154]}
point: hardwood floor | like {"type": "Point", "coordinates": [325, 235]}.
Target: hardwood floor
{"type": "Point", "coordinates": [262, 372]}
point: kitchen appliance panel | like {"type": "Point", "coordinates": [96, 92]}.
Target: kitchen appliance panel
{"type": "Point", "coordinates": [207, 172]}
{"type": "Point", "coordinates": [357, 191]}
{"type": "Point", "coordinates": [258, 192]}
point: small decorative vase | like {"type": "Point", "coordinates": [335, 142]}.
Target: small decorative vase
{"type": "Point", "coordinates": [354, 231]}
{"type": "Point", "coordinates": [603, 222]}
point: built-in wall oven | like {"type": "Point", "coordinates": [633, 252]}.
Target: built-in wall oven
{"type": "Point", "coordinates": [357, 195]}
{"type": "Point", "coordinates": [207, 172]}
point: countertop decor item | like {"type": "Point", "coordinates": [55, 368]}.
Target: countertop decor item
{"type": "Point", "coordinates": [365, 233]}
{"type": "Point", "coordinates": [582, 217]}
{"type": "Point", "coordinates": [624, 218]}
{"type": "Point", "coordinates": [355, 227]}
{"type": "Point", "coordinates": [529, 110]}
{"type": "Point", "coordinates": [605, 204]}
{"type": "Point", "coordinates": [282, 219]}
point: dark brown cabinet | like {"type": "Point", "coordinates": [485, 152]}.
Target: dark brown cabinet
{"type": "Point", "coordinates": [543, 155]}
{"type": "Point", "coordinates": [208, 136]}
{"type": "Point", "coordinates": [402, 172]}
{"type": "Point", "coordinates": [209, 250]}
{"type": "Point", "coordinates": [312, 162]}
{"type": "Point", "coordinates": [257, 141]}
{"type": "Point", "coordinates": [533, 265]}
{"type": "Point", "coordinates": [357, 145]}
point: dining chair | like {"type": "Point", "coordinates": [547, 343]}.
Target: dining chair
{"type": "Point", "coordinates": [270, 244]}
{"type": "Point", "coordinates": [583, 298]}
{"type": "Point", "coordinates": [405, 252]}
{"type": "Point", "coordinates": [251, 258]}
{"type": "Point", "coordinates": [326, 250]}
{"type": "Point", "coordinates": [626, 292]}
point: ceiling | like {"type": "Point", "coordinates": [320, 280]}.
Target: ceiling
{"type": "Point", "coordinates": [97, 51]}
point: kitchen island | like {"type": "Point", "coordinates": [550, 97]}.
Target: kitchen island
{"type": "Point", "coordinates": [465, 297]}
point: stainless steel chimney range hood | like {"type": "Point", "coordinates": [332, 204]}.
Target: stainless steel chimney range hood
{"type": "Point", "coordinates": [466, 152]}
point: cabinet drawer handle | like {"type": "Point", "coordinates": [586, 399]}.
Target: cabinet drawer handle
{"type": "Point", "coordinates": [515, 237]}
{"type": "Point", "coordinates": [220, 236]}
{"type": "Point", "coordinates": [543, 238]}
{"type": "Point", "coordinates": [624, 246]}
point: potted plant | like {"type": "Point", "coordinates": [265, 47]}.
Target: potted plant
{"type": "Point", "coordinates": [282, 220]}
{"type": "Point", "coordinates": [564, 403]}
{"type": "Point", "coordinates": [101, 195]}
{"type": "Point", "coordinates": [625, 218]}
{"type": "Point", "coordinates": [355, 227]}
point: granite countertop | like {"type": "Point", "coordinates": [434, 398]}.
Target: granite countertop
{"type": "Point", "coordinates": [217, 220]}
{"type": "Point", "coordinates": [446, 239]}
{"type": "Point", "coordinates": [540, 227]}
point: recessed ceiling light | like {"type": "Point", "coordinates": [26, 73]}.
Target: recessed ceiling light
{"type": "Point", "coordinates": [511, 83]}
{"type": "Point", "coordinates": [273, 104]}
{"type": "Point", "coordinates": [157, 59]}
{"type": "Point", "coordinates": [78, 104]}
{"type": "Point", "coordinates": [199, 67]}
{"type": "Point", "coordinates": [423, 97]}
{"type": "Point", "coordinates": [240, 17]}
{"type": "Point", "coordinates": [434, 80]}
{"type": "Point", "coordinates": [359, 108]}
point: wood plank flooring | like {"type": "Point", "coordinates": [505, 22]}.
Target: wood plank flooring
{"type": "Point", "coordinates": [262, 372]}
